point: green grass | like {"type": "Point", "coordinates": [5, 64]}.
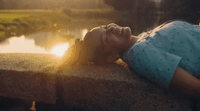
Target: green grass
{"type": "Point", "coordinates": [98, 15]}
{"type": "Point", "coordinates": [18, 22]}
{"type": "Point", "coordinates": [13, 16]}
{"type": "Point", "coordinates": [92, 14]}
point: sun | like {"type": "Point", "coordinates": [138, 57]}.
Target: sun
{"type": "Point", "coordinates": [60, 49]}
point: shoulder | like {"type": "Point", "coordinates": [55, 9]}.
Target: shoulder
{"type": "Point", "coordinates": [176, 24]}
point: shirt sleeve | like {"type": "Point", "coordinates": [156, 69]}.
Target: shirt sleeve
{"type": "Point", "coordinates": [153, 63]}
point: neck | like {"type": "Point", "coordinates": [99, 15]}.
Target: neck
{"type": "Point", "coordinates": [132, 41]}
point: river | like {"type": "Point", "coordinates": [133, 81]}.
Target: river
{"type": "Point", "coordinates": [58, 41]}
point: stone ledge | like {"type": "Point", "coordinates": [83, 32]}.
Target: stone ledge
{"type": "Point", "coordinates": [111, 87]}
{"type": "Point", "coordinates": [28, 86]}
{"type": "Point", "coordinates": [120, 91]}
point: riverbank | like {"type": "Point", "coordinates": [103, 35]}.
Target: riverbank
{"type": "Point", "coordinates": [97, 14]}
{"type": "Point", "coordinates": [18, 22]}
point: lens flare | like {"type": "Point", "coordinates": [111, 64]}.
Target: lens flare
{"type": "Point", "coordinates": [60, 49]}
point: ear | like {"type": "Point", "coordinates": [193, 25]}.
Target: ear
{"type": "Point", "coordinates": [112, 58]}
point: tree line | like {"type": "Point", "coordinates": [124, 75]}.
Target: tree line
{"type": "Point", "coordinates": [19, 4]}
{"type": "Point", "coordinates": [149, 6]}
{"type": "Point", "coordinates": [51, 4]}
{"type": "Point", "coordinates": [133, 6]}
{"type": "Point", "coordinates": [180, 7]}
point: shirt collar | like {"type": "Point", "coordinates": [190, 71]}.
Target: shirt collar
{"type": "Point", "coordinates": [127, 52]}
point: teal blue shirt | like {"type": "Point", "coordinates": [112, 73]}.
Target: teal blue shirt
{"type": "Point", "coordinates": [157, 53]}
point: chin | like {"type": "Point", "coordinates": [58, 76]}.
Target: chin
{"type": "Point", "coordinates": [128, 32]}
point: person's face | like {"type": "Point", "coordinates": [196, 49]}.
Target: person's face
{"type": "Point", "coordinates": [111, 39]}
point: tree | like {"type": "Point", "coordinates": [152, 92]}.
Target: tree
{"type": "Point", "coordinates": [11, 4]}
{"type": "Point", "coordinates": [27, 5]}
{"type": "Point", "coordinates": [120, 4]}
{"type": "Point", "coordinates": [133, 6]}
{"type": "Point", "coordinates": [195, 5]}
{"type": "Point", "coordinates": [180, 6]}
{"type": "Point", "coordinates": [1, 4]}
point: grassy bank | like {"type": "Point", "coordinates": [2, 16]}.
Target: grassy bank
{"type": "Point", "coordinates": [18, 22]}
{"type": "Point", "coordinates": [93, 14]}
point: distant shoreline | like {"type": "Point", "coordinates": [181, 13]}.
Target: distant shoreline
{"type": "Point", "coordinates": [21, 22]}
{"type": "Point", "coordinates": [24, 22]}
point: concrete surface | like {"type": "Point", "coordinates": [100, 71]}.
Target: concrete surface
{"type": "Point", "coordinates": [93, 88]}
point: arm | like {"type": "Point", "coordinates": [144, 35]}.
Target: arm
{"type": "Point", "coordinates": [184, 82]}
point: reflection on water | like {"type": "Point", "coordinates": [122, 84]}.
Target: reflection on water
{"type": "Point", "coordinates": [27, 45]}
{"type": "Point", "coordinates": [43, 42]}
{"type": "Point", "coordinates": [21, 45]}
{"type": "Point", "coordinates": [60, 49]}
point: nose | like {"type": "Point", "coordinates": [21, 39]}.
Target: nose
{"type": "Point", "coordinates": [112, 24]}
{"type": "Point", "coordinates": [112, 29]}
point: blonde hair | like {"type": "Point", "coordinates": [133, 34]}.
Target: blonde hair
{"type": "Point", "coordinates": [80, 53]}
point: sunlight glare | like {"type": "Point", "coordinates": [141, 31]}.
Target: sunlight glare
{"type": "Point", "coordinates": [60, 49]}
{"type": "Point", "coordinates": [84, 31]}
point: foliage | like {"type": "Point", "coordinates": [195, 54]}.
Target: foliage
{"type": "Point", "coordinates": [120, 4]}
{"type": "Point", "coordinates": [12, 16]}
{"type": "Point", "coordinates": [1, 4]}
{"type": "Point", "coordinates": [2, 36]}
{"type": "Point", "coordinates": [134, 6]}
{"type": "Point", "coordinates": [144, 6]}
{"type": "Point", "coordinates": [28, 21]}
{"type": "Point", "coordinates": [180, 6]}
{"type": "Point", "coordinates": [50, 4]}
{"type": "Point", "coordinates": [91, 14]}
{"type": "Point", "coordinates": [67, 11]}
